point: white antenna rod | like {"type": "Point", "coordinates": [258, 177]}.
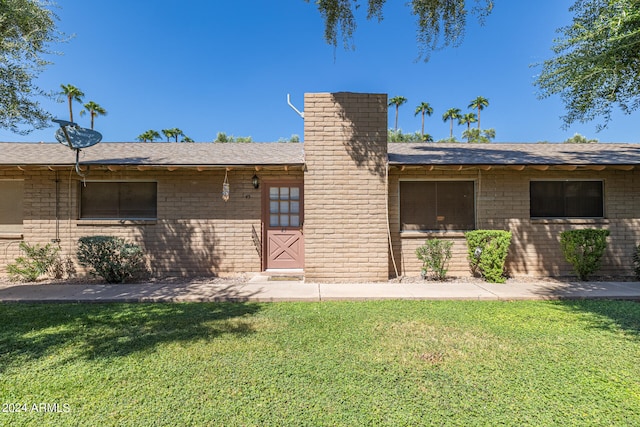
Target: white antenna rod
{"type": "Point", "coordinates": [300, 113]}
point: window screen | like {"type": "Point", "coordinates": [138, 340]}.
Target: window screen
{"type": "Point", "coordinates": [566, 199]}
{"type": "Point", "coordinates": [11, 206]}
{"type": "Point", "coordinates": [116, 200]}
{"type": "Point", "coordinates": [437, 205]}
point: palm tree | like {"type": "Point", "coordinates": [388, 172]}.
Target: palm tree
{"type": "Point", "coordinates": [168, 133]}
{"type": "Point", "coordinates": [150, 135]}
{"type": "Point", "coordinates": [73, 94]}
{"type": "Point", "coordinates": [451, 114]}
{"type": "Point", "coordinates": [479, 103]}
{"type": "Point", "coordinates": [397, 101]}
{"type": "Point", "coordinates": [177, 133]}
{"type": "Point", "coordinates": [467, 118]}
{"type": "Point", "coordinates": [143, 137]}
{"type": "Point", "coordinates": [94, 110]}
{"type": "Point", "coordinates": [476, 135]}
{"type": "Point", "coordinates": [172, 133]}
{"type": "Point", "coordinates": [424, 108]}
{"type": "Point", "coordinates": [187, 139]}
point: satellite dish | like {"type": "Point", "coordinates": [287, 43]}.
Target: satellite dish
{"type": "Point", "coordinates": [75, 137]}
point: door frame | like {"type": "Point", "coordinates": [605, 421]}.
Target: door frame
{"type": "Point", "coordinates": [266, 184]}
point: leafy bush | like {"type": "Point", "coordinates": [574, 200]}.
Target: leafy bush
{"type": "Point", "coordinates": [487, 253]}
{"type": "Point", "coordinates": [63, 267]}
{"type": "Point", "coordinates": [636, 262]}
{"type": "Point", "coordinates": [38, 260]}
{"type": "Point", "coordinates": [583, 249]}
{"type": "Point", "coordinates": [435, 255]}
{"type": "Point", "coordinates": [112, 258]}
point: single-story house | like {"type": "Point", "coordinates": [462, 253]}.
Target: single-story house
{"type": "Point", "coordinates": [344, 205]}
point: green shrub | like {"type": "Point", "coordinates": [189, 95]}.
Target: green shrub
{"type": "Point", "coordinates": [112, 258]}
{"type": "Point", "coordinates": [583, 249]}
{"type": "Point", "coordinates": [435, 255]}
{"type": "Point", "coordinates": [636, 262]}
{"type": "Point", "coordinates": [487, 253]}
{"type": "Point", "coordinates": [38, 260]}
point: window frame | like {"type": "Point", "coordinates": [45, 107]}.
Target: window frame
{"type": "Point", "coordinates": [472, 181]}
{"type": "Point", "coordinates": [11, 230]}
{"type": "Point", "coordinates": [567, 217]}
{"type": "Point", "coordinates": [290, 213]}
{"type": "Point", "coordinates": [120, 217]}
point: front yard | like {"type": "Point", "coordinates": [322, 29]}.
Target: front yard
{"type": "Point", "coordinates": [339, 363]}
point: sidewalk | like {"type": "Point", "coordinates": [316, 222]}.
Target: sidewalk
{"type": "Point", "coordinates": [261, 289]}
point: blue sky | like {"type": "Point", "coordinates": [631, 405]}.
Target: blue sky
{"type": "Point", "coordinates": [214, 66]}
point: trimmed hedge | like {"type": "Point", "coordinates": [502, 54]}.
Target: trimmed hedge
{"type": "Point", "coordinates": [487, 253]}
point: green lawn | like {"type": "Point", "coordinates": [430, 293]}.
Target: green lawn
{"type": "Point", "coordinates": [344, 363]}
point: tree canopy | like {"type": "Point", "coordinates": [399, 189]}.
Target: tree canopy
{"type": "Point", "coordinates": [440, 23]}
{"type": "Point", "coordinates": [596, 66]}
{"type": "Point", "coordinates": [27, 28]}
{"type": "Point", "coordinates": [580, 139]}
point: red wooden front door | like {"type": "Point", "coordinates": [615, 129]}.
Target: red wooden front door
{"type": "Point", "coordinates": [283, 219]}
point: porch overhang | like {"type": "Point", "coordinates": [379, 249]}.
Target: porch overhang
{"type": "Point", "coordinates": [515, 157]}
{"type": "Point", "coordinates": [518, 168]}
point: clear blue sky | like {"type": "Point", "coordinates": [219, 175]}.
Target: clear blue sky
{"type": "Point", "coordinates": [227, 66]}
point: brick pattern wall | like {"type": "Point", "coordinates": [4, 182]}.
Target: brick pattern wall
{"type": "Point", "coordinates": [196, 233]}
{"type": "Point", "coordinates": [345, 225]}
{"type": "Point", "coordinates": [502, 202]}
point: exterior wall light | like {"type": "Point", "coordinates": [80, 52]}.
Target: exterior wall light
{"type": "Point", "coordinates": [255, 181]}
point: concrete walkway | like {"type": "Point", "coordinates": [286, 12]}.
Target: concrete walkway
{"type": "Point", "coordinates": [260, 288]}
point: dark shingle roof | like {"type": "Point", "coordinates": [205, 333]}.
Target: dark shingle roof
{"type": "Point", "coordinates": [513, 154]}
{"type": "Point", "coordinates": [279, 154]}
{"type": "Point", "coordinates": [157, 154]}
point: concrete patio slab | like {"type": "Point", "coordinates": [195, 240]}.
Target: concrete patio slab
{"type": "Point", "coordinates": [260, 289]}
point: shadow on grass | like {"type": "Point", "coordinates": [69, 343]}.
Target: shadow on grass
{"type": "Point", "coordinates": [608, 315]}
{"type": "Point", "coordinates": [94, 331]}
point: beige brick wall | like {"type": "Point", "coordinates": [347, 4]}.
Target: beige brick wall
{"type": "Point", "coordinates": [502, 202]}
{"type": "Point", "coordinates": [345, 138]}
{"type": "Point", "coordinates": [196, 233]}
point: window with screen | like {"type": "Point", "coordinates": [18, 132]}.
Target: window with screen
{"type": "Point", "coordinates": [437, 205]}
{"type": "Point", "coordinates": [118, 200]}
{"type": "Point", "coordinates": [11, 206]}
{"type": "Point", "coordinates": [566, 199]}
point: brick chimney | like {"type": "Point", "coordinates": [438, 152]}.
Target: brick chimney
{"type": "Point", "coordinates": [345, 143]}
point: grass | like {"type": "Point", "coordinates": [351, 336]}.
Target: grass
{"type": "Point", "coordinates": [339, 363]}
